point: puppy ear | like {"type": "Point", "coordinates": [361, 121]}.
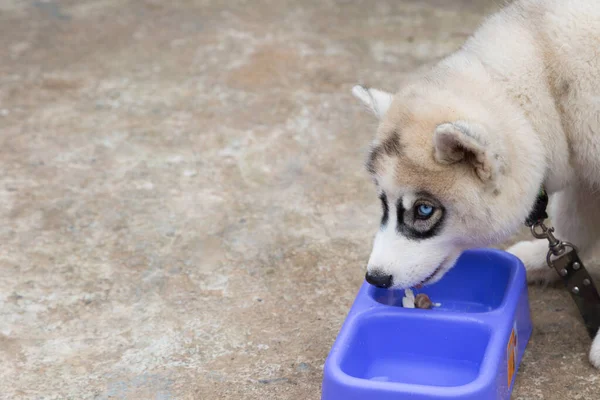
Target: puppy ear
{"type": "Point", "coordinates": [463, 142]}
{"type": "Point", "coordinates": [376, 100]}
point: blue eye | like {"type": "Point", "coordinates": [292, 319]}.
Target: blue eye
{"type": "Point", "coordinates": [424, 211]}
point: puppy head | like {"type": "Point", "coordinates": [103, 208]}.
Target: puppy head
{"type": "Point", "coordinates": [452, 172]}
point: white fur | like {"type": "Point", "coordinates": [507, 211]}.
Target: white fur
{"type": "Point", "coordinates": [525, 89]}
{"type": "Point", "coordinates": [376, 100]}
{"type": "Point", "coordinates": [408, 200]}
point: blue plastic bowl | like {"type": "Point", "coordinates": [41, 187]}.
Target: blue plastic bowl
{"type": "Point", "coordinates": [469, 348]}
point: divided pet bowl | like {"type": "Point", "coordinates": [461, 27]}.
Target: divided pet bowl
{"type": "Point", "coordinates": [469, 348]}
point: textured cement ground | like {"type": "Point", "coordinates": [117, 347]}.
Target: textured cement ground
{"type": "Point", "coordinates": [183, 208]}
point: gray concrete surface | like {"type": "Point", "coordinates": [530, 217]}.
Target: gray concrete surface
{"type": "Point", "coordinates": [183, 208]}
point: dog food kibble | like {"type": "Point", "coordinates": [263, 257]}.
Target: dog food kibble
{"type": "Point", "coordinates": [423, 301]}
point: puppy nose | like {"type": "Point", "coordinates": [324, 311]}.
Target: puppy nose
{"type": "Point", "coordinates": [379, 279]}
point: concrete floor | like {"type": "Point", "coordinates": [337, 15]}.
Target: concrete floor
{"type": "Point", "coordinates": [184, 212]}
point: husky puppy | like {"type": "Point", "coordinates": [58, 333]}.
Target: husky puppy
{"type": "Point", "coordinates": [463, 147]}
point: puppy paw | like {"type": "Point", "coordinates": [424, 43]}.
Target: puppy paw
{"type": "Point", "coordinates": [542, 277]}
{"type": "Point", "coordinates": [533, 254]}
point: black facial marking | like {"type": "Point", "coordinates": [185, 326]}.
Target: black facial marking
{"type": "Point", "coordinates": [391, 146]}
{"type": "Point", "coordinates": [386, 209]}
{"type": "Point", "coordinates": [399, 214]}
{"type": "Point", "coordinates": [408, 225]}
{"type": "Point", "coordinates": [372, 160]}
{"type": "Point", "coordinates": [413, 234]}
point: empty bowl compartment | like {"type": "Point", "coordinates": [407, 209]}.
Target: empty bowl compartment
{"type": "Point", "coordinates": [422, 351]}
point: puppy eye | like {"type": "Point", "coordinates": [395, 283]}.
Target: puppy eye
{"type": "Point", "coordinates": [424, 211]}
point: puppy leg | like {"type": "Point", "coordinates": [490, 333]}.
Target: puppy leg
{"type": "Point", "coordinates": [533, 254]}
{"type": "Point", "coordinates": [594, 355]}
{"type": "Point", "coordinates": [575, 214]}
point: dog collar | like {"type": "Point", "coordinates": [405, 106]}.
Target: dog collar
{"type": "Point", "coordinates": [538, 213]}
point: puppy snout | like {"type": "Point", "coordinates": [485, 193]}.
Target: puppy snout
{"type": "Point", "coordinates": [379, 278]}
